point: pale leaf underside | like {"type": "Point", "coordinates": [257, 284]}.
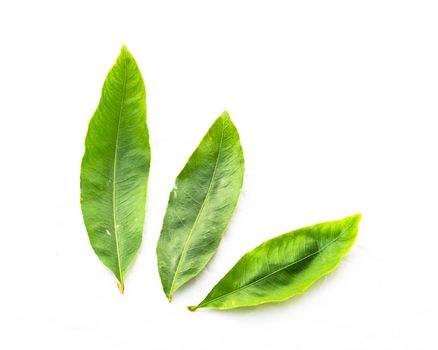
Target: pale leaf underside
{"type": "Point", "coordinates": [200, 205]}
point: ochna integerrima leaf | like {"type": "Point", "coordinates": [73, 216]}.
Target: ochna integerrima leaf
{"type": "Point", "coordinates": [115, 168]}
{"type": "Point", "coordinates": [284, 266]}
{"type": "Point", "coordinates": [200, 205]}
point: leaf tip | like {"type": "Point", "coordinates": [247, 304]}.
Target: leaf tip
{"type": "Point", "coordinates": [169, 297]}
{"type": "Point", "coordinates": [225, 117]}
{"type": "Point", "coordinates": [124, 52]}
{"type": "Point", "coordinates": [192, 308]}
{"type": "Point", "coordinates": [357, 217]}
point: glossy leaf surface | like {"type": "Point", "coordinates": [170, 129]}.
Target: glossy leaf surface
{"type": "Point", "coordinates": [115, 168]}
{"type": "Point", "coordinates": [284, 266]}
{"type": "Point", "coordinates": [200, 205]}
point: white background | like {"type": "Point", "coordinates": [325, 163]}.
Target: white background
{"type": "Point", "coordinates": [336, 105]}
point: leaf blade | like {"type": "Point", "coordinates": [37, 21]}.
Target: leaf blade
{"type": "Point", "coordinates": [115, 168]}
{"type": "Point", "coordinates": [284, 266]}
{"type": "Point", "coordinates": [201, 205]}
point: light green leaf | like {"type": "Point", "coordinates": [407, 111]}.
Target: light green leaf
{"type": "Point", "coordinates": [284, 266]}
{"type": "Point", "coordinates": [115, 168]}
{"type": "Point", "coordinates": [201, 205]}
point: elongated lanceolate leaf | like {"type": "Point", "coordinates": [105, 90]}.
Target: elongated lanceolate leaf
{"type": "Point", "coordinates": [201, 205]}
{"type": "Point", "coordinates": [115, 168]}
{"type": "Point", "coordinates": [284, 266]}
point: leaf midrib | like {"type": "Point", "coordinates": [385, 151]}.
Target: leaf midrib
{"type": "Point", "coordinates": [279, 270]}
{"type": "Point", "coordinates": [116, 233]}
{"type": "Point", "coordinates": [197, 216]}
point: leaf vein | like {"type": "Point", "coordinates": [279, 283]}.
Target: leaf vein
{"type": "Point", "coordinates": [116, 233]}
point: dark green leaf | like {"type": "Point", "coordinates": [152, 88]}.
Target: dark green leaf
{"type": "Point", "coordinates": [115, 168]}
{"type": "Point", "coordinates": [284, 266]}
{"type": "Point", "coordinates": [201, 205]}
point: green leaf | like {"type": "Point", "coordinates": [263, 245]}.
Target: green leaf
{"type": "Point", "coordinates": [200, 205]}
{"type": "Point", "coordinates": [115, 168]}
{"type": "Point", "coordinates": [284, 266]}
